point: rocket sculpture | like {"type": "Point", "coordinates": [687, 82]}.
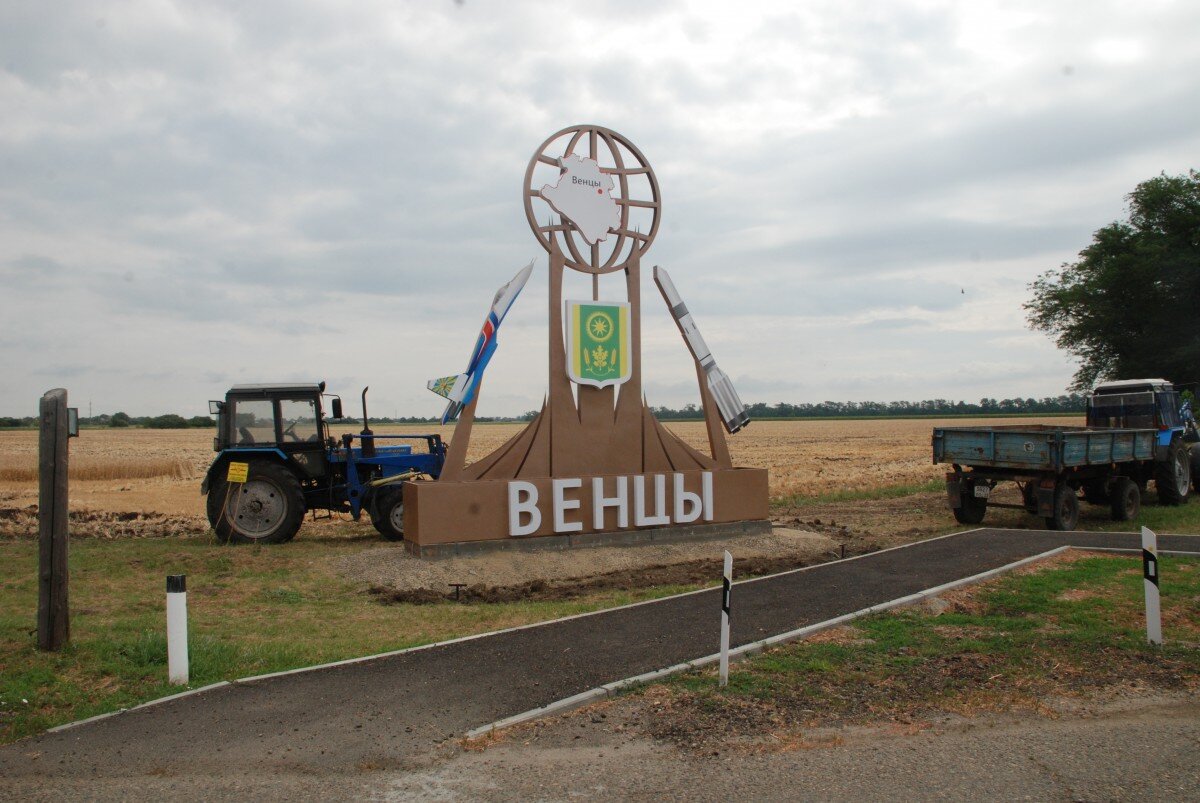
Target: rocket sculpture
{"type": "Point", "coordinates": [460, 389]}
{"type": "Point", "coordinates": [733, 412]}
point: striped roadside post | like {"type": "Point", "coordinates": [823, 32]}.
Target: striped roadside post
{"type": "Point", "coordinates": [727, 586]}
{"type": "Point", "coordinates": [1150, 580]}
{"type": "Point", "coordinates": [177, 641]}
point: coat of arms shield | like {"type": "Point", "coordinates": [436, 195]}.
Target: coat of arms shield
{"type": "Point", "coordinates": [598, 351]}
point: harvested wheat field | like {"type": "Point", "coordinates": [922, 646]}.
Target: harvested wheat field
{"type": "Point", "coordinates": [159, 471]}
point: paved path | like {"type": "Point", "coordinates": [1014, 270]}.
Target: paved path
{"type": "Point", "coordinates": [390, 712]}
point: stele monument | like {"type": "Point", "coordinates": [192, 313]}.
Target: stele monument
{"type": "Point", "coordinates": [594, 465]}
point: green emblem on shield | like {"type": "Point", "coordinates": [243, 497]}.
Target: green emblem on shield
{"type": "Point", "coordinates": [598, 342]}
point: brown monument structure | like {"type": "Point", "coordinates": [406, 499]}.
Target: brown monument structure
{"type": "Point", "coordinates": [595, 465]}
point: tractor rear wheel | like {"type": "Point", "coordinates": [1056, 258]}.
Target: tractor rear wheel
{"type": "Point", "coordinates": [1173, 476]}
{"type": "Point", "coordinates": [267, 508]}
{"type": "Point", "coordinates": [1066, 509]}
{"type": "Point", "coordinates": [1126, 499]}
{"type": "Point", "coordinates": [387, 514]}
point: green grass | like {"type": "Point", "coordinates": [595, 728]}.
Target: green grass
{"type": "Point", "coordinates": [1070, 628]}
{"type": "Point", "coordinates": [251, 610]}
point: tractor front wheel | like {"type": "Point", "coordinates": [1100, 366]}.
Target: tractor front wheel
{"type": "Point", "coordinates": [387, 514]}
{"type": "Point", "coordinates": [265, 509]}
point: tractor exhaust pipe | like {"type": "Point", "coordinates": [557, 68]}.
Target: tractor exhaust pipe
{"type": "Point", "coordinates": [368, 437]}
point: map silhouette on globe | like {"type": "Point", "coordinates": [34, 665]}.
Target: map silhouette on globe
{"type": "Point", "coordinates": [591, 191]}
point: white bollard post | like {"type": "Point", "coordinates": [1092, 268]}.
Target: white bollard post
{"type": "Point", "coordinates": [727, 586]}
{"type": "Point", "coordinates": [1150, 579]}
{"type": "Point", "coordinates": [177, 639]}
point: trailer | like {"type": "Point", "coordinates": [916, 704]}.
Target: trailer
{"type": "Point", "coordinates": [1138, 431]}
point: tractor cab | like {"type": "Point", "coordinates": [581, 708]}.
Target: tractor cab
{"type": "Point", "coordinates": [1137, 404]}
{"type": "Point", "coordinates": [285, 418]}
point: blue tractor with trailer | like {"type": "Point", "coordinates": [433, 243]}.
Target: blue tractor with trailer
{"type": "Point", "coordinates": [276, 461]}
{"type": "Point", "coordinates": [1137, 431]}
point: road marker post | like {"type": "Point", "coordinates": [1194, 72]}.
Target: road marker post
{"type": "Point", "coordinates": [1150, 579]}
{"type": "Point", "coordinates": [727, 586]}
{"type": "Point", "coordinates": [177, 639]}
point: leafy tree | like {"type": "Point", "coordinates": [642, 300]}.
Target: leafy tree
{"type": "Point", "coordinates": [1128, 308]}
{"type": "Point", "coordinates": [119, 420]}
{"type": "Point", "coordinates": [168, 421]}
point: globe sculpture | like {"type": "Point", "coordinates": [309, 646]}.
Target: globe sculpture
{"type": "Point", "coordinates": [626, 181]}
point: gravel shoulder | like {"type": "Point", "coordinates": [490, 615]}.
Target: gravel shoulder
{"type": "Point", "coordinates": [1078, 750]}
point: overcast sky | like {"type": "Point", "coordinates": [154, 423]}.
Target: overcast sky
{"type": "Point", "coordinates": [855, 195]}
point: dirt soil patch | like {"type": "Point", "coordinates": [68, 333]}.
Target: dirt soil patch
{"type": "Point", "coordinates": [22, 523]}
{"type": "Point", "coordinates": [394, 576]}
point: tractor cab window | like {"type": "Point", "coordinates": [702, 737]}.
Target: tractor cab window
{"type": "Point", "coordinates": [254, 422]}
{"type": "Point", "coordinates": [299, 420]}
{"type": "Point", "coordinates": [1122, 410]}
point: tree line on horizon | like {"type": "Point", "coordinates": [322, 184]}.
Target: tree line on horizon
{"type": "Point", "coordinates": [1070, 403]}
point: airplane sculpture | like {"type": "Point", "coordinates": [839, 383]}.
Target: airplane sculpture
{"type": "Point", "coordinates": [460, 389]}
{"type": "Point", "coordinates": [733, 412]}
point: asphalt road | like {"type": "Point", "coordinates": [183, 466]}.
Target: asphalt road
{"type": "Point", "coordinates": [295, 732]}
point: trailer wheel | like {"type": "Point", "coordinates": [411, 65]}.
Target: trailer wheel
{"type": "Point", "coordinates": [387, 514]}
{"type": "Point", "coordinates": [1066, 509]}
{"type": "Point", "coordinates": [971, 509]}
{"type": "Point", "coordinates": [1126, 499]}
{"type": "Point", "coordinates": [266, 509]}
{"type": "Point", "coordinates": [1173, 476]}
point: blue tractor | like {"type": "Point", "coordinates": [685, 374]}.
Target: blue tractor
{"type": "Point", "coordinates": [276, 460]}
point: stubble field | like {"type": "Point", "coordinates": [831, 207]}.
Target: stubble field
{"type": "Point", "coordinates": [159, 471]}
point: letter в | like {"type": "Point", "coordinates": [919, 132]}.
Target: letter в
{"type": "Point", "coordinates": [523, 498]}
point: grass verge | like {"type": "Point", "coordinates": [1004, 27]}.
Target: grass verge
{"type": "Point", "coordinates": [1074, 627]}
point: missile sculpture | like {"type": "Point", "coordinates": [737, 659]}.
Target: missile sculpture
{"type": "Point", "coordinates": [733, 412]}
{"type": "Point", "coordinates": [460, 389]}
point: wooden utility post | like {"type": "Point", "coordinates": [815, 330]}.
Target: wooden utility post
{"type": "Point", "coordinates": [54, 625]}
